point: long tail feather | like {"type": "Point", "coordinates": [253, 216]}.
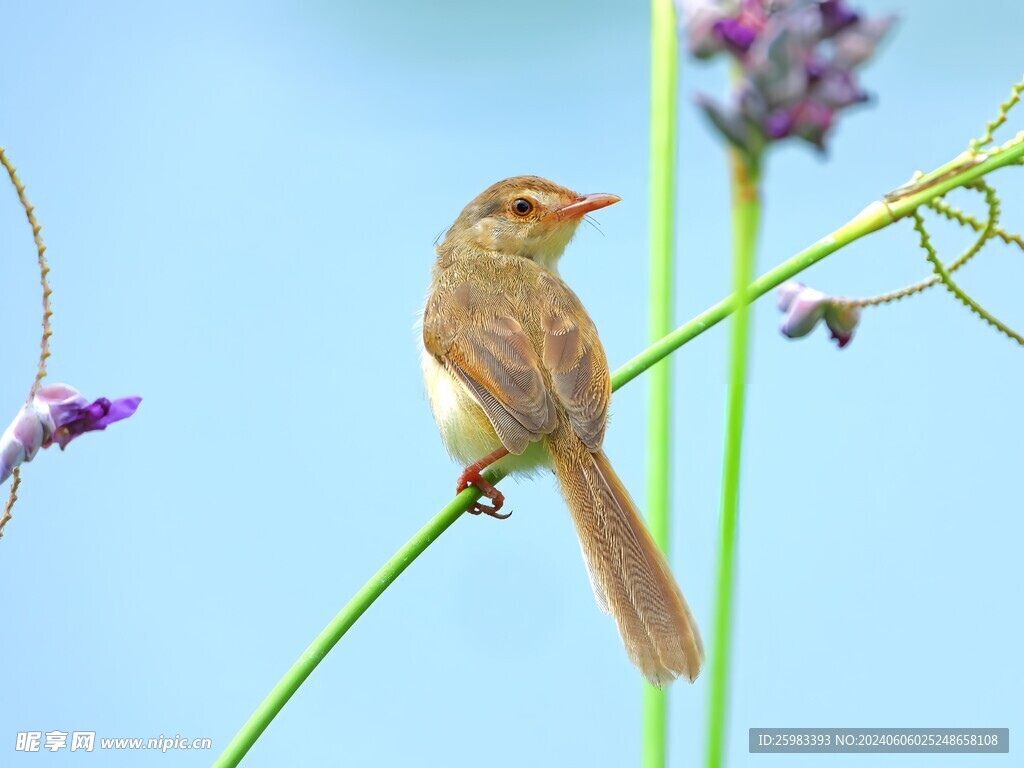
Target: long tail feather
{"type": "Point", "coordinates": [627, 570]}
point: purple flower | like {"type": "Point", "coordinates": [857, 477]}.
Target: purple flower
{"type": "Point", "coordinates": [713, 26]}
{"type": "Point", "coordinates": [736, 34]}
{"type": "Point", "coordinates": [835, 16]}
{"type": "Point", "coordinates": [804, 307]}
{"type": "Point", "coordinates": [72, 415]}
{"type": "Point", "coordinates": [797, 58]}
{"type": "Point", "coordinates": [57, 414]}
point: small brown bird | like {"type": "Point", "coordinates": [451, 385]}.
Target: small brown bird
{"type": "Point", "coordinates": [513, 365]}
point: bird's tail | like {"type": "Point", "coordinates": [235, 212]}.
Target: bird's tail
{"type": "Point", "coordinates": [630, 577]}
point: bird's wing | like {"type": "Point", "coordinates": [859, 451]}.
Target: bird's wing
{"type": "Point", "coordinates": [473, 333]}
{"type": "Point", "coordinates": [573, 355]}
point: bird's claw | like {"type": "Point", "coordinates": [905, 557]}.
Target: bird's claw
{"type": "Point", "coordinates": [486, 509]}
{"type": "Point", "coordinates": [473, 477]}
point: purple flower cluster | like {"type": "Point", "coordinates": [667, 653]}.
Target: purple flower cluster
{"type": "Point", "coordinates": [57, 414]}
{"type": "Point", "coordinates": [797, 59]}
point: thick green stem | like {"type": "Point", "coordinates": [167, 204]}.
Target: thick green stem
{"type": "Point", "coordinates": [874, 217]}
{"type": "Point", "coordinates": [746, 211]}
{"type": "Point", "coordinates": [664, 69]}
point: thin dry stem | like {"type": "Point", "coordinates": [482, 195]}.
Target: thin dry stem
{"type": "Point", "coordinates": [44, 270]}
{"type": "Point", "coordinates": [44, 344]}
{"type": "Point", "coordinates": [15, 482]}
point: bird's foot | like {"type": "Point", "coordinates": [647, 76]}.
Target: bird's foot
{"type": "Point", "coordinates": [472, 476]}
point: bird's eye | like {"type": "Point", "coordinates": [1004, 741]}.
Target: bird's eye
{"type": "Point", "coordinates": [522, 206]}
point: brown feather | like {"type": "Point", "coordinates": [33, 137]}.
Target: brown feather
{"type": "Point", "coordinates": [474, 335]}
{"type": "Point", "coordinates": [624, 563]}
{"type": "Point", "coordinates": [574, 357]}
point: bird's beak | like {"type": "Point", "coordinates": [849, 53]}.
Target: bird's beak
{"type": "Point", "coordinates": [583, 205]}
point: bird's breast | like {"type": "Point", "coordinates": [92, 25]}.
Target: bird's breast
{"type": "Point", "coordinates": [465, 429]}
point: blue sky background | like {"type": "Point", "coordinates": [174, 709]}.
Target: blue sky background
{"type": "Point", "coordinates": [240, 201]}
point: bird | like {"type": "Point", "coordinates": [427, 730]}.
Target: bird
{"type": "Point", "coordinates": [514, 370]}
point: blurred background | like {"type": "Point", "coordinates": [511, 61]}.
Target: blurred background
{"type": "Point", "coordinates": [240, 201]}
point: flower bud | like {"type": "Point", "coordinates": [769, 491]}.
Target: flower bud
{"type": "Point", "coordinates": [57, 413]}
{"type": "Point", "coordinates": [804, 307]}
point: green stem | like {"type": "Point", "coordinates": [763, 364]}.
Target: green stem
{"type": "Point", "coordinates": [874, 217]}
{"type": "Point", "coordinates": [341, 623]}
{"type": "Point", "coordinates": [664, 72]}
{"type": "Point", "coordinates": [746, 211]}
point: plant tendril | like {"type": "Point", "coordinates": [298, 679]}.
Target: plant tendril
{"type": "Point", "coordinates": [1004, 109]}
{"type": "Point", "coordinates": [44, 344]}
{"type": "Point", "coordinates": [988, 230]}
{"type": "Point", "coordinates": [953, 288]}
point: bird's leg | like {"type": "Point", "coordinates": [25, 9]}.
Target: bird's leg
{"type": "Point", "coordinates": [471, 476]}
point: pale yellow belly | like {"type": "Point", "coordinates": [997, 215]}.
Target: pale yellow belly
{"type": "Point", "coordinates": [464, 428]}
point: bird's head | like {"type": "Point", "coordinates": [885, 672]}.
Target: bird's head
{"type": "Point", "coordinates": [524, 216]}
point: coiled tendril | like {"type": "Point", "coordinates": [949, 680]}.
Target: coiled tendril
{"type": "Point", "coordinates": [987, 230]}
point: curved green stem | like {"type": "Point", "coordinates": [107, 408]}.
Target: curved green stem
{"type": "Point", "coordinates": [874, 217]}
{"type": "Point", "coordinates": [746, 209]}
{"type": "Point", "coordinates": [341, 623]}
{"type": "Point", "coordinates": [664, 73]}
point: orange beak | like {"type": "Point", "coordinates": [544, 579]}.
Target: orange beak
{"type": "Point", "coordinates": [583, 205]}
